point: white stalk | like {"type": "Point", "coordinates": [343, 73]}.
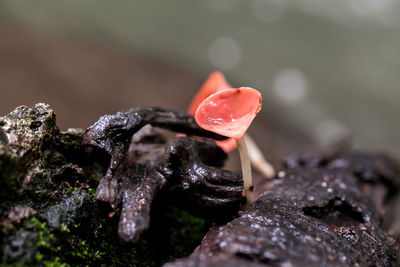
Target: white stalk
{"type": "Point", "coordinates": [257, 159]}
{"type": "Point", "coordinates": [248, 186]}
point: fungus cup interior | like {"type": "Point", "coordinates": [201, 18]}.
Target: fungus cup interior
{"type": "Point", "coordinates": [229, 112]}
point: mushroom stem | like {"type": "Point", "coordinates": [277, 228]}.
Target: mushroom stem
{"type": "Point", "coordinates": [248, 186]}
{"type": "Point", "coordinates": [257, 159]}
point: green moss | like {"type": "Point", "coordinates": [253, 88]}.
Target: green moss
{"type": "Point", "coordinates": [39, 257]}
{"type": "Point", "coordinates": [92, 192]}
{"type": "Point", "coordinates": [47, 245]}
{"type": "Point", "coordinates": [56, 262]}
{"type": "Point", "coordinates": [81, 248]}
{"type": "Point", "coordinates": [57, 247]}
{"type": "Point", "coordinates": [64, 229]}
{"type": "Point", "coordinates": [93, 240]}
{"type": "Point", "coordinates": [44, 236]}
{"type": "Point", "coordinates": [195, 226]}
{"type": "Point", "coordinates": [182, 231]}
{"type": "Point", "coordinates": [71, 189]}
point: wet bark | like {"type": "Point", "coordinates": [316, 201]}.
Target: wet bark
{"type": "Point", "coordinates": [320, 212]}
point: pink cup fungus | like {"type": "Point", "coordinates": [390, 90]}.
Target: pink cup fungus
{"type": "Point", "coordinates": [217, 82]}
{"type": "Point", "coordinates": [230, 112]}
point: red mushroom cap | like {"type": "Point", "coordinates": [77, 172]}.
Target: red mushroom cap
{"type": "Point", "coordinates": [229, 112]}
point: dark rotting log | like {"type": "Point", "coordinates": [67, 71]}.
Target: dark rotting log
{"type": "Point", "coordinates": [317, 214]}
{"type": "Point", "coordinates": [320, 210]}
{"type": "Point", "coordinates": [143, 165]}
{"type": "Point", "coordinates": [113, 133]}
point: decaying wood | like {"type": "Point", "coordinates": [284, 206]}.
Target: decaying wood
{"type": "Point", "coordinates": [319, 209]}
{"type": "Point", "coordinates": [180, 168]}
{"type": "Point", "coordinates": [318, 213]}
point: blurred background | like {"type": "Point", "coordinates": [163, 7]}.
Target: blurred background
{"type": "Point", "coordinates": [328, 70]}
